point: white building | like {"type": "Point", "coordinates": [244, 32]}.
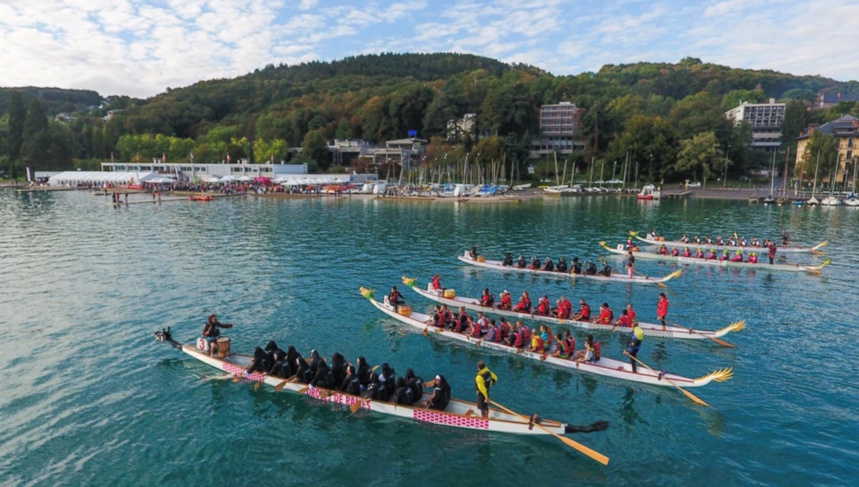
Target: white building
{"type": "Point", "coordinates": [560, 130]}
{"type": "Point", "coordinates": [765, 120]}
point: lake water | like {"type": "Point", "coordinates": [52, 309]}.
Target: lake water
{"type": "Point", "coordinates": [89, 398]}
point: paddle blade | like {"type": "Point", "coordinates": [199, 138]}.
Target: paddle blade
{"type": "Point", "coordinates": [303, 390]}
{"type": "Point", "coordinates": [722, 342]}
{"type": "Point", "coordinates": [280, 386]}
{"type": "Point", "coordinates": [582, 448]}
{"type": "Point", "coordinates": [256, 386]}
{"type": "Point", "coordinates": [693, 397]}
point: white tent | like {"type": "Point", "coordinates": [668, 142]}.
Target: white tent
{"type": "Point", "coordinates": [73, 178]}
{"type": "Point", "coordinates": [243, 179]}
{"type": "Point", "coordinates": [227, 179]}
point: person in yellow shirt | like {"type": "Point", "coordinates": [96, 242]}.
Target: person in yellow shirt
{"type": "Point", "coordinates": [484, 380]}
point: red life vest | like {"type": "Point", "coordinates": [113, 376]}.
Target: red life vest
{"type": "Point", "coordinates": [519, 337]}
{"type": "Point", "coordinates": [586, 313]}
{"type": "Point", "coordinates": [506, 302]}
{"type": "Point", "coordinates": [563, 312]}
{"type": "Point", "coordinates": [436, 283]}
{"type": "Point", "coordinates": [543, 309]}
{"type": "Point", "coordinates": [597, 350]}
{"type": "Point", "coordinates": [571, 344]}
{"type": "Point", "coordinates": [526, 333]}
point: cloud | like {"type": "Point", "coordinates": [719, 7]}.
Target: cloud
{"type": "Point", "coordinates": [139, 47]}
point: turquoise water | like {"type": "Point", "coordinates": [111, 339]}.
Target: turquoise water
{"type": "Point", "coordinates": [89, 398]}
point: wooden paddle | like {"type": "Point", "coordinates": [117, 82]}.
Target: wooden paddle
{"type": "Point", "coordinates": [684, 391]}
{"type": "Point", "coordinates": [717, 340]}
{"type": "Point", "coordinates": [355, 407]}
{"type": "Point", "coordinates": [571, 443]}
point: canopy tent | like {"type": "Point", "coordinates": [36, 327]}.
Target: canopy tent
{"type": "Point", "coordinates": [227, 179]}
{"type": "Point", "coordinates": [73, 178]}
{"type": "Point", "coordinates": [158, 179]}
{"type": "Point", "coordinates": [243, 179]}
{"type": "Point", "coordinates": [211, 179]}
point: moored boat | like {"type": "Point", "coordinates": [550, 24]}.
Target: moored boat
{"type": "Point", "coordinates": [648, 240]}
{"type": "Point", "coordinates": [650, 329]}
{"type": "Point", "coordinates": [614, 277]}
{"type": "Point", "coordinates": [457, 413]}
{"type": "Point", "coordinates": [722, 263]}
{"type": "Point", "coordinates": [603, 366]}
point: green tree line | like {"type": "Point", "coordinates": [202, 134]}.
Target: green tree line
{"type": "Point", "coordinates": [667, 120]}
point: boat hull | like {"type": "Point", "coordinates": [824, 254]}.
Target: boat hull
{"type": "Point", "coordinates": [455, 415]}
{"type": "Point", "coordinates": [496, 264]}
{"type": "Point", "coordinates": [604, 366]}
{"type": "Point", "coordinates": [722, 263]}
{"type": "Point", "coordinates": [650, 329]}
{"type": "Point", "coordinates": [677, 243]}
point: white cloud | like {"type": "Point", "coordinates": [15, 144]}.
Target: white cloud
{"type": "Point", "coordinates": [139, 47]}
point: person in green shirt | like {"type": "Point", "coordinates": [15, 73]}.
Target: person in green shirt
{"type": "Point", "coordinates": [484, 380]}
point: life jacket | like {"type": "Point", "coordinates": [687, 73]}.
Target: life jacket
{"type": "Point", "coordinates": [476, 331]}
{"type": "Point", "coordinates": [499, 332]}
{"type": "Point", "coordinates": [563, 349]}
{"type": "Point", "coordinates": [577, 268]}
{"type": "Point", "coordinates": [596, 351]}
{"type": "Point", "coordinates": [487, 299]}
{"type": "Point", "coordinates": [506, 302]}
{"type": "Point", "coordinates": [521, 263]}
{"type": "Point", "coordinates": [436, 283]}
{"type": "Point", "coordinates": [675, 252]}
{"type": "Point", "coordinates": [394, 297]}
{"type": "Point", "coordinates": [486, 375]}
{"type": "Point", "coordinates": [526, 333]}
{"type": "Point", "coordinates": [519, 336]}
{"type": "Point", "coordinates": [586, 313]}
{"type": "Point", "coordinates": [447, 316]}
{"type": "Point", "coordinates": [571, 344]}
{"type": "Point", "coordinates": [537, 344]}
{"type": "Point", "coordinates": [686, 253]}
{"type": "Point", "coordinates": [563, 312]}
{"type": "Point", "coordinates": [528, 303]}
{"type": "Point", "coordinates": [543, 309]}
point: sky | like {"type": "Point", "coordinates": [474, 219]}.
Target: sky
{"type": "Point", "coordinates": [141, 47]}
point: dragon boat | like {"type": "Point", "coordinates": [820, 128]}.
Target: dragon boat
{"type": "Point", "coordinates": [615, 277]}
{"type": "Point", "coordinates": [648, 240]}
{"type": "Point", "coordinates": [602, 366]}
{"type": "Point", "coordinates": [650, 329]}
{"type": "Point", "coordinates": [720, 263]}
{"type": "Point", "coordinates": [457, 413]}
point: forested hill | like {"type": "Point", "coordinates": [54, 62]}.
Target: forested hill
{"type": "Point", "coordinates": [55, 100]}
{"type": "Point", "coordinates": [649, 107]}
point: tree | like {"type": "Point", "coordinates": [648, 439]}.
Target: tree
{"type": "Point", "coordinates": [795, 122]}
{"type": "Point", "coordinates": [314, 149]}
{"type": "Point", "coordinates": [34, 150]}
{"type": "Point", "coordinates": [698, 155]}
{"type": "Point", "coordinates": [17, 114]}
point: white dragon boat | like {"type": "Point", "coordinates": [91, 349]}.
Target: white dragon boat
{"type": "Point", "coordinates": [615, 277]}
{"type": "Point", "coordinates": [721, 263]}
{"type": "Point", "coordinates": [650, 329]}
{"type": "Point", "coordinates": [457, 413]}
{"type": "Point", "coordinates": [604, 366]}
{"type": "Point", "coordinates": [648, 240]}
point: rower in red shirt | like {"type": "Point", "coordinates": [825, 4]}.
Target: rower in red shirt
{"type": "Point", "coordinates": [633, 318]}
{"type": "Point", "coordinates": [527, 301]}
{"type": "Point", "coordinates": [436, 283]}
{"type": "Point", "coordinates": [584, 313]}
{"type": "Point", "coordinates": [662, 309]}
{"type": "Point", "coordinates": [543, 306]}
{"type": "Point", "coordinates": [506, 301]}
{"type": "Point", "coordinates": [606, 315]}
{"type": "Point", "coordinates": [623, 320]}
{"type": "Point", "coordinates": [522, 307]}
{"type": "Point", "coordinates": [487, 299]}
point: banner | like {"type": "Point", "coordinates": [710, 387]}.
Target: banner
{"type": "Point", "coordinates": [29, 180]}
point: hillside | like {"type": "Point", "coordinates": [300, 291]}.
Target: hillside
{"type": "Point", "coordinates": [382, 97]}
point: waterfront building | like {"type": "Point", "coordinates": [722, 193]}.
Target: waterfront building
{"type": "Point", "coordinates": [845, 129]}
{"type": "Point", "coordinates": [560, 130]}
{"type": "Point", "coordinates": [826, 100]}
{"type": "Point", "coordinates": [765, 120]}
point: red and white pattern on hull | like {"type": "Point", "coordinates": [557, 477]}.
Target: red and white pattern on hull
{"type": "Point", "coordinates": [236, 370]}
{"type": "Point", "coordinates": [338, 398]}
{"type": "Point", "coordinates": [433, 417]}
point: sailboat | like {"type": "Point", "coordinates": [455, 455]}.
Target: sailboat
{"type": "Point", "coordinates": [852, 200]}
{"type": "Point", "coordinates": [771, 199]}
{"type": "Point", "coordinates": [830, 200]}
{"type": "Point", "coordinates": [813, 201]}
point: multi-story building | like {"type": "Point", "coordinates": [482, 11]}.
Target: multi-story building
{"type": "Point", "coordinates": [765, 120]}
{"type": "Point", "coordinates": [826, 100]}
{"type": "Point", "coordinates": [845, 129]}
{"type": "Point", "coordinates": [560, 130]}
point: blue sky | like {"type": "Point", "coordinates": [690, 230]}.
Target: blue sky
{"type": "Point", "coordinates": [141, 47]}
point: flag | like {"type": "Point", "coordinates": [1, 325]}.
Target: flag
{"type": "Point", "coordinates": [29, 180]}
{"type": "Point", "coordinates": [228, 158]}
{"type": "Point", "coordinates": [163, 157]}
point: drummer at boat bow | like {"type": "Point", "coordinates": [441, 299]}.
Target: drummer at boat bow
{"type": "Point", "coordinates": [484, 380]}
{"type": "Point", "coordinates": [211, 332]}
{"type": "Point", "coordinates": [395, 298]}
